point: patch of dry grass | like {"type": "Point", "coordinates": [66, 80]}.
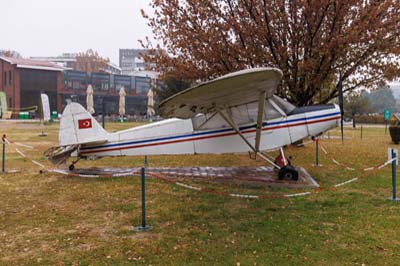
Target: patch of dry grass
{"type": "Point", "coordinates": [47, 219]}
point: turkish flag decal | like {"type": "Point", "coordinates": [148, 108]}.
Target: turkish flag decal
{"type": "Point", "coordinates": [85, 123]}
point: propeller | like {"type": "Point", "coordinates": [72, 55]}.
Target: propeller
{"type": "Point", "coordinates": [340, 88]}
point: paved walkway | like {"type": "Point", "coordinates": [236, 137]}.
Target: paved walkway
{"type": "Point", "coordinates": [250, 175]}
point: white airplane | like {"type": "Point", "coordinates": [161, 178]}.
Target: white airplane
{"type": "Point", "coordinates": [235, 113]}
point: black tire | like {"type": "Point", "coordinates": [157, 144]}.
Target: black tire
{"type": "Point", "coordinates": [288, 173]}
{"type": "Point", "coordinates": [71, 167]}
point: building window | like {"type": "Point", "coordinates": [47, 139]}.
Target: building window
{"type": "Point", "coordinates": [75, 80]}
{"type": "Point", "coordinates": [10, 78]}
{"type": "Point", "coordinates": [78, 85]}
{"type": "Point", "coordinates": [122, 81]}
{"type": "Point", "coordinates": [142, 85]}
{"type": "Point", "coordinates": [10, 102]}
{"type": "Point", "coordinates": [100, 81]}
{"type": "Point", "coordinates": [5, 78]}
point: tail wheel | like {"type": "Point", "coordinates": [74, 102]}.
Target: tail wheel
{"type": "Point", "coordinates": [288, 173]}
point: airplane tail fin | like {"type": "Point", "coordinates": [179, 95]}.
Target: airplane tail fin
{"type": "Point", "coordinates": [77, 126]}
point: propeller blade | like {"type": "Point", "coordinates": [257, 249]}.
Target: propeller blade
{"type": "Point", "coordinates": [340, 87]}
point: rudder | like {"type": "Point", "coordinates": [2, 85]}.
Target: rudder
{"type": "Point", "coordinates": [77, 126]}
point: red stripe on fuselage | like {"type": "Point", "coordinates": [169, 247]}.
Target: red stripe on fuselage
{"type": "Point", "coordinates": [208, 137]}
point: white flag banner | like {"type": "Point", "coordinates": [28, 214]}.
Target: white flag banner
{"type": "Point", "coordinates": [45, 106]}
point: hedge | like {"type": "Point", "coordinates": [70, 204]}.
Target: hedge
{"type": "Point", "coordinates": [373, 119]}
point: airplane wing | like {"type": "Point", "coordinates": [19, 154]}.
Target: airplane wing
{"type": "Point", "coordinates": [233, 89]}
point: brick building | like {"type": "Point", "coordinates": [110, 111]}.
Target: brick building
{"type": "Point", "coordinates": [23, 80]}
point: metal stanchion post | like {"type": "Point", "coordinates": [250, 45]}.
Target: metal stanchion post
{"type": "Point", "coordinates": [3, 160]}
{"type": "Point", "coordinates": [393, 176]}
{"type": "Point", "coordinates": [394, 196]}
{"type": "Point", "coordinates": [316, 153]}
{"type": "Point", "coordinates": [361, 131]}
{"type": "Point", "coordinates": [143, 227]}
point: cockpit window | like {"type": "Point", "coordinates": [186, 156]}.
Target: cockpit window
{"type": "Point", "coordinates": [244, 114]}
{"type": "Point", "coordinates": [208, 121]}
{"type": "Point", "coordinates": [270, 112]}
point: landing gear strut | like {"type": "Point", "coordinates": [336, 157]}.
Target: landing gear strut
{"type": "Point", "coordinates": [286, 171]}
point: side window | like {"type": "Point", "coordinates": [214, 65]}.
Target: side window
{"type": "Point", "coordinates": [252, 110]}
{"type": "Point", "coordinates": [10, 78]}
{"type": "Point", "coordinates": [270, 112]}
{"type": "Point", "coordinates": [240, 114]}
{"type": "Point", "coordinates": [215, 121]}
{"type": "Point", "coordinates": [5, 78]}
{"type": "Point", "coordinates": [198, 121]}
{"type": "Point", "coordinates": [208, 121]}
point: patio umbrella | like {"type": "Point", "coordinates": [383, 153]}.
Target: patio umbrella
{"type": "Point", "coordinates": [89, 100]}
{"type": "Point", "coordinates": [150, 103]}
{"type": "Point", "coordinates": [122, 95]}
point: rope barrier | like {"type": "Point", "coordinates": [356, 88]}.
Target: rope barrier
{"type": "Point", "coordinates": [221, 193]}
{"type": "Point", "coordinates": [207, 191]}
{"type": "Point", "coordinates": [346, 167]}
{"type": "Point", "coordinates": [335, 161]}
{"type": "Point", "coordinates": [23, 145]}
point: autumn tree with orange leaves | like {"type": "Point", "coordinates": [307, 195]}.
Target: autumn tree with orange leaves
{"type": "Point", "coordinates": [90, 61]}
{"type": "Point", "coordinates": [313, 42]}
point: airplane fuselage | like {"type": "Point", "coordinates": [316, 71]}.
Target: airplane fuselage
{"type": "Point", "coordinates": [178, 136]}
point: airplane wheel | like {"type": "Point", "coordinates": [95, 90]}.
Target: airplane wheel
{"type": "Point", "coordinates": [71, 167]}
{"type": "Point", "coordinates": [288, 173]}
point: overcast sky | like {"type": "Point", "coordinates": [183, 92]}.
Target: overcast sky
{"type": "Point", "coordinates": [53, 27]}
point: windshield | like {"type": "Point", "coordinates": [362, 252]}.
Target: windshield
{"type": "Point", "coordinates": [284, 105]}
{"type": "Point", "coordinates": [242, 115]}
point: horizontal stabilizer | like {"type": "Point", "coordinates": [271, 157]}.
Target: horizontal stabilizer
{"type": "Point", "coordinates": [59, 154]}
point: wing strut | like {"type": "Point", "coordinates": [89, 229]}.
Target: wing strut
{"type": "Point", "coordinates": [232, 123]}
{"type": "Point", "coordinates": [260, 116]}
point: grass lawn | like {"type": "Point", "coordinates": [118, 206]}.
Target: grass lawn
{"type": "Point", "coordinates": [48, 219]}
